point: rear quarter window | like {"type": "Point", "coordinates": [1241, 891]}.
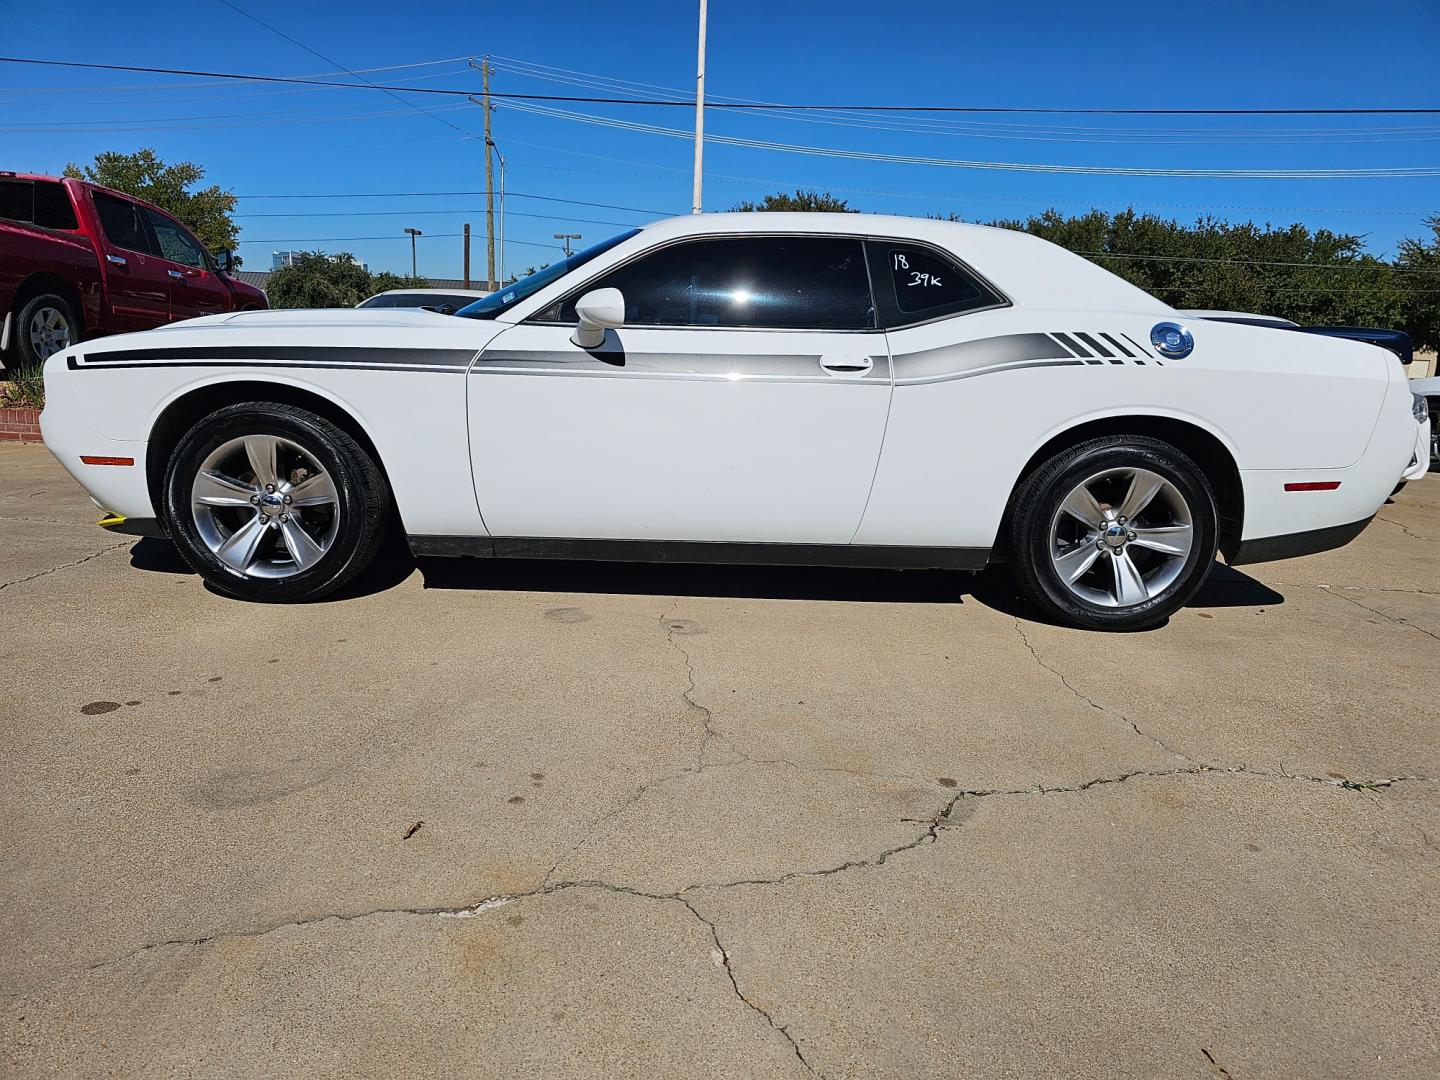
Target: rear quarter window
{"type": "Point", "coordinates": [37, 202]}
{"type": "Point", "coordinates": [915, 283]}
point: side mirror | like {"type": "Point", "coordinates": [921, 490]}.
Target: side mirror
{"type": "Point", "coordinates": [598, 310]}
{"type": "Point", "coordinates": [225, 260]}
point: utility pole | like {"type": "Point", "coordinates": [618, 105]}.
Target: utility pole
{"type": "Point", "coordinates": [413, 234]}
{"type": "Point", "coordinates": [467, 254]}
{"type": "Point", "coordinates": [490, 282]}
{"type": "Point", "coordinates": [565, 238]}
{"type": "Point", "coordinates": [699, 113]}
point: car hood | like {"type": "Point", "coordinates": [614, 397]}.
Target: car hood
{"type": "Point", "coordinates": [1427, 387]}
{"type": "Point", "coordinates": [295, 317]}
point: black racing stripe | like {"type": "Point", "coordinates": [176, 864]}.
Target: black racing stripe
{"type": "Point", "coordinates": [438, 369]}
{"type": "Point", "coordinates": [1111, 339]}
{"type": "Point", "coordinates": [1070, 343]}
{"type": "Point", "coordinates": [270, 355]}
{"type": "Point", "coordinates": [1100, 350]}
{"type": "Point", "coordinates": [1143, 351]}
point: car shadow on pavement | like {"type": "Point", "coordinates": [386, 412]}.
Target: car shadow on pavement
{"type": "Point", "coordinates": [992, 587]}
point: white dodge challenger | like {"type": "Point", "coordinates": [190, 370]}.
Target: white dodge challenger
{"type": "Point", "coordinates": [816, 389]}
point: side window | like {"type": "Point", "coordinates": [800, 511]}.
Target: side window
{"type": "Point", "coordinates": [52, 206]}
{"type": "Point", "coordinates": [121, 221]}
{"type": "Point", "coordinates": [776, 282]}
{"type": "Point", "coordinates": [176, 244]}
{"type": "Point", "coordinates": [915, 283]}
{"type": "Point", "coordinates": [17, 201]}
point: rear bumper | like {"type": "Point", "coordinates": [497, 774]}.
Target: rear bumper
{"type": "Point", "coordinates": [1293, 545]}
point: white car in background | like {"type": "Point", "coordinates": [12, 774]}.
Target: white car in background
{"type": "Point", "coordinates": [823, 389]}
{"type": "Point", "coordinates": [443, 301]}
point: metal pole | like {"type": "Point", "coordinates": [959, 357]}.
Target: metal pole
{"type": "Point", "coordinates": [413, 234]}
{"type": "Point", "coordinates": [467, 254]}
{"type": "Point", "coordinates": [699, 113]}
{"type": "Point", "coordinates": [502, 214]}
{"type": "Point", "coordinates": [489, 184]}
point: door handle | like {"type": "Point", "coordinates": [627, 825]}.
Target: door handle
{"type": "Point", "coordinates": [836, 364]}
{"type": "Point", "coordinates": [176, 274]}
{"type": "Point", "coordinates": [117, 260]}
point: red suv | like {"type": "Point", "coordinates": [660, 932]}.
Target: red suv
{"type": "Point", "coordinates": [78, 260]}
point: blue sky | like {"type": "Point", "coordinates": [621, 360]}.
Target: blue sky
{"type": "Point", "coordinates": [261, 140]}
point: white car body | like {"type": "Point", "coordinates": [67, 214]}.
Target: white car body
{"type": "Point", "coordinates": [896, 446]}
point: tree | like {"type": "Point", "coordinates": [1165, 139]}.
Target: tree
{"type": "Point", "coordinates": [801, 200]}
{"type": "Point", "coordinates": [318, 280]}
{"type": "Point", "coordinates": [1419, 266]}
{"type": "Point", "coordinates": [384, 281]}
{"type": "Point", "coordinates": [205, 212]}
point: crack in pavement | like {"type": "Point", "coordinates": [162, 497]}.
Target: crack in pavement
{"type": "Point", "coordinates": [938, 823]}
{"type": "Point", "coordinates": [1390, 618]}
{"type": "Point", "coordinates": [1407, 530]}
{"type": "Point", "coordinates": [709, 734]}
{"type": "Point", "coordinates": [1020, 629]}
{"type": "Point", "coordinates": [67, 566]}
{"type": "Point", "coordinates": [725, 962]}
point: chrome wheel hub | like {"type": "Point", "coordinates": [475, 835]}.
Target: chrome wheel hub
{"type": "Point", "coordinates": [264, 506]}
{"type": "Point", "coordinates": [49, 332]}
{"type": "Point", "coordinates": [1121, 537]}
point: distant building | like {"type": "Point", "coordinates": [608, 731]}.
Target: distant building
{"type": "Point", "coordinates": [289, 258]}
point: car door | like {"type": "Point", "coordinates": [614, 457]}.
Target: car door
{"type": "Point", "coordinates": [195, 288]}
{"type": "Point", "coordinates": [744, 400]}
{"type": "Point", "coordinates": [136, 283]}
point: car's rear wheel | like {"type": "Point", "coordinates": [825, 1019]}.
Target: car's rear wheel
{"type": "Point", "coordinates": [271, 502]}
{"type": "Point", "coordinates": [1116, 533]}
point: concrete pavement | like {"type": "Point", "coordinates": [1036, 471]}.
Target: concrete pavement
{"type": "Point", "coordinates": [496, 819]}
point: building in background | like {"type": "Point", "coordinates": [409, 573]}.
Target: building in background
{"type": "Point", "coordinates": [288, 258]}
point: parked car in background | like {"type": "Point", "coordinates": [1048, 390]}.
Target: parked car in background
{"type": "Point", "coordinates": [787, 389]}
{"type": "Point", "coordinates": [78, 261]}
{"type": "Point", "coordinates": [1429, 390]}
{"type": "Point", "coordinates": [444, 301]}
{"type": "Point", "coordinates": [1396, 341]}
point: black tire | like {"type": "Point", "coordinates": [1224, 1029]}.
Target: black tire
{"type": "Point", "coordinates": [25, 349]}
{"type": "Point", "coordinates": [362, 500]}
{"type": "Point", "coordinates": [1037, 501]}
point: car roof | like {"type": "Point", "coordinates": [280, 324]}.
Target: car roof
{"type": "Point", "coordinates": [10, 175]}
{"type": "Point", "coordinates": [436, 292]}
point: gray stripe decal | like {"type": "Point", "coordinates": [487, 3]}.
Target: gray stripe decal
{"type": "Point", "coordinates": [615, 361]}
{"type": "Point", "coordinates": [433, 359]}
{"type": "Point", "coordinates": [952, 360]}
{"type": "Point", "coordinates": [1097, 348]}
{"type": "Point", "coordinates": [1111, 339]}
{"type": "Point", "coordinates": [1143, 351]}
{"type": "Point", "coordinates": [1071, 344]}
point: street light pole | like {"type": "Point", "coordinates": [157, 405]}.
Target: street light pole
{"type": "Point", "coordinates": [699, 113]}
{"type": "Point", "coordinates": [413, 234]}
{"type": "Point", "coordinates": [565, 238]}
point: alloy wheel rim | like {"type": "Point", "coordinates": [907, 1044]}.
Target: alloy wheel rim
{"type": "Point", "coordinates": [264, 506]}
{"type": "Point", "coordinates": [1121, 537]}
{"type": "Point", "coordinates": [49, 332]}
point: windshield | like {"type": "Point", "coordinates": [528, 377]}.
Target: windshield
{"type": "Point", "coordinates": [512, 294]}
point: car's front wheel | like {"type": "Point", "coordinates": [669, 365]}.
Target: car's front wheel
{"type": "Point", "coordinates": [1116, 533]}
{"type": "Point", "coordinates": [271, 502]}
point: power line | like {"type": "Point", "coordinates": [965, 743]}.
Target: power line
{"type": "Point", "coordinates": [347, 239]}
{"type": "Point", "coordinates": [300, 44]}
{"type": "Point", "coordinates": [429, 213]}
{"type": "Point", "coordinates": [745, 106]}
{"type": "Point", "coordinates": [409, 194]}
{"type": "Point", "coordinates": [1002, 166]}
